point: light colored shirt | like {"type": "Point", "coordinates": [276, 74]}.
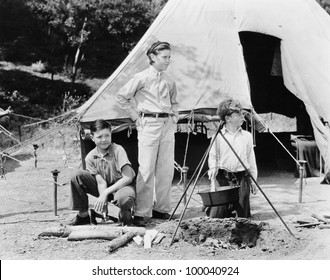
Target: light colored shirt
{"type": "Point", "coordinates": [141, 94]}
{"type": "Point", "coordinates": [221, 155]}
{"type": "Point", "coordinates": [109, 166]}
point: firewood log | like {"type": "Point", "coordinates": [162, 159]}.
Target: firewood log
{"type": "Point", "coordinates": [65, 231]}
{"type": "Point", "coordinates": [319, 218]}
{"type": "Point", "coordinates": [324, 226]}
{"type": "Point", "coordinates": [120, 241]}
{"type": "Point", "coordinates": [78, 235]}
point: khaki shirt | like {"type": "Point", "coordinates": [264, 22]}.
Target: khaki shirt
{"type": "Point", "coordinates": [141, 94]}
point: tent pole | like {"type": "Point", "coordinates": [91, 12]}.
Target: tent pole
{"type": "Point", "coordinates": [254, 180]}
{"type": "Point", "coordinates": [300, 163]}
{"type": "Point", "coordinates": [265, 126]}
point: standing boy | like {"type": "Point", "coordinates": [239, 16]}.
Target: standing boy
{"type": "Point", "coordinates": [149, 98]}
{"type": "Point", "coordinates": [108, 177]}
{"type": "Point", "coordinates": [225, 167]}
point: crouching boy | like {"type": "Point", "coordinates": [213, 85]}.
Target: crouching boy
{"type": "Point", "coordinates": [108, 176]}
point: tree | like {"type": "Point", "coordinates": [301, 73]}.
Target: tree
{"type": "Point", "coordinates": [68, 25]}
{"type": "Point", "coordinates": [72, 25]}
{"type": "Point", "coordinates": [325, 4]}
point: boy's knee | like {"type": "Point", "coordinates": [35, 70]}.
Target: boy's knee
{"type": "Point", "coordinates": [128, 203]}
{"type": "Point", "coordinates": [80, 173]}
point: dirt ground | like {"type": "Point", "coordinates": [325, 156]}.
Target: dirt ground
{"type": "Point", "coordinates": [27, 209]}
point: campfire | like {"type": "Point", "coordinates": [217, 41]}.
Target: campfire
{"type": "Point", "coordinates": [235, 233]}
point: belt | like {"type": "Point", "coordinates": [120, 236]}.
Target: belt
{"type": "Point", "coordinates": [156, 115]}
{"type": "Point", "coordinates": [231, 176]}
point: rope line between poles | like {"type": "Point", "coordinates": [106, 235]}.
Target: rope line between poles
{"type": "Point", "coordinates": [24, 164]}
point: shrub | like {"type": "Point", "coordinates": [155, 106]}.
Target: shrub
{"type": "Point", "coordinates": [39, 67]}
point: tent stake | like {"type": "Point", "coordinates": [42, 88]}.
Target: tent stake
{"type": "Point", "coordinates": [55, 174]}
{"type": "Point", "coordinates": [302, 174]}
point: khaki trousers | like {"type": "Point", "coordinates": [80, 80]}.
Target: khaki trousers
{"type": "Point", "coordinates": [156, 166]}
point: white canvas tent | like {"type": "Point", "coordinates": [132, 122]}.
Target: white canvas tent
{"type": "Point", "coordinates": [209, 61]}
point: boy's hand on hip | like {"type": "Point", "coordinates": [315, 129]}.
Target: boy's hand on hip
{"type": "Point", "coordinates": [138, 122]}
{"type": "Point", "coordinates": [212, 173]}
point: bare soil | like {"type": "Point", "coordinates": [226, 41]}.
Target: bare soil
{"type": "Point", "coordinates": [27, 209]}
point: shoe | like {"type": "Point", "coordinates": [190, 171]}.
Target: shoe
{"type": "Point", "coordinates": [125, 216]}
{"type": "Point", "coordinates": [110, 218]}
{"type": "Point", "coordinates": [79, 221]}
{"type": "Point", "coordinates": [159, 215]}
{"type": "Point", "coordinates": [139, 221]}
{"type": "Point", "coordinates": [93, 215]}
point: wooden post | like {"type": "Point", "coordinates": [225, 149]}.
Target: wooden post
{"type": "Point", "coordinates": [302, 174]}
{"type": "Point", "coordinates": [35, 146]}
{"type": "Point", "coordinates": [55, 174]}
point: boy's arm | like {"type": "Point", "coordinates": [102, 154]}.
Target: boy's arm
{"type": "Point", "coordinates": [253, 164]}
{"type": "Point", "coordinates": [252, 159]}
{"type": "Point", "coordinates": [102, 200]}
{"type": "Point", "coordinates": [213, 160]}
{"type": "Point", "coordinates": [124, 96]}
{"type": "Point", "coordinates": [128, 176]}
{"type": "Point", "coordinates": [174, 103]}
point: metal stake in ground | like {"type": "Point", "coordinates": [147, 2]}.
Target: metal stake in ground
{"type": "Point", "coordinates": [55, 174]}
{"type": "Point", "coordinates": [35, 147]}
{"type": "Point", "coordinates": [302, 174]}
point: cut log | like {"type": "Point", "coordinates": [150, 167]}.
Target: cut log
{"type": "Point", "coordinates": [305, 221]}
{"type": "Point", "coordinates": [324, 226]}
{"type": "Point", "coordinates": [52, 232]}
{"type": "Point", "coordinates": [159, 237]}
{"type": "Point", "coordinates": [319, 218]}
{"type": "Point", "coordinates": [79, 235]}
{"type": "Point", "coordinates": [309, 225]}
{"type": "Point", "coordinates": [120, 241]}
{"type": "Point", "coordinates": [65, 231]}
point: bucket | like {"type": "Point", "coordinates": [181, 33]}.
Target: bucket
{"type": "Point", "coordinates": [224, 195]}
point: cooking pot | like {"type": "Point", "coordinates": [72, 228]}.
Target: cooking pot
{"type": "Point", "coordinates": [224, 195]}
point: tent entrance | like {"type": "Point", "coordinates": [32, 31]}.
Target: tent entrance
{"type": "Point", "coordinates": [262, 57]}
{"type": "Point", "coordinates": [268, 93]}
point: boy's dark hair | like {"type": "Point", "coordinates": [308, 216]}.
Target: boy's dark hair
{"type": "Point", "coordinates": [99, 125]}
{"type": "Point", "coordinates": [156, 47]}
{"type": "Point", "coordinates": [227, 107]}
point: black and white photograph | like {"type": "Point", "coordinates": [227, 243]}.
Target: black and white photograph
{"type": "Point", "coordinates": [164, 138]}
